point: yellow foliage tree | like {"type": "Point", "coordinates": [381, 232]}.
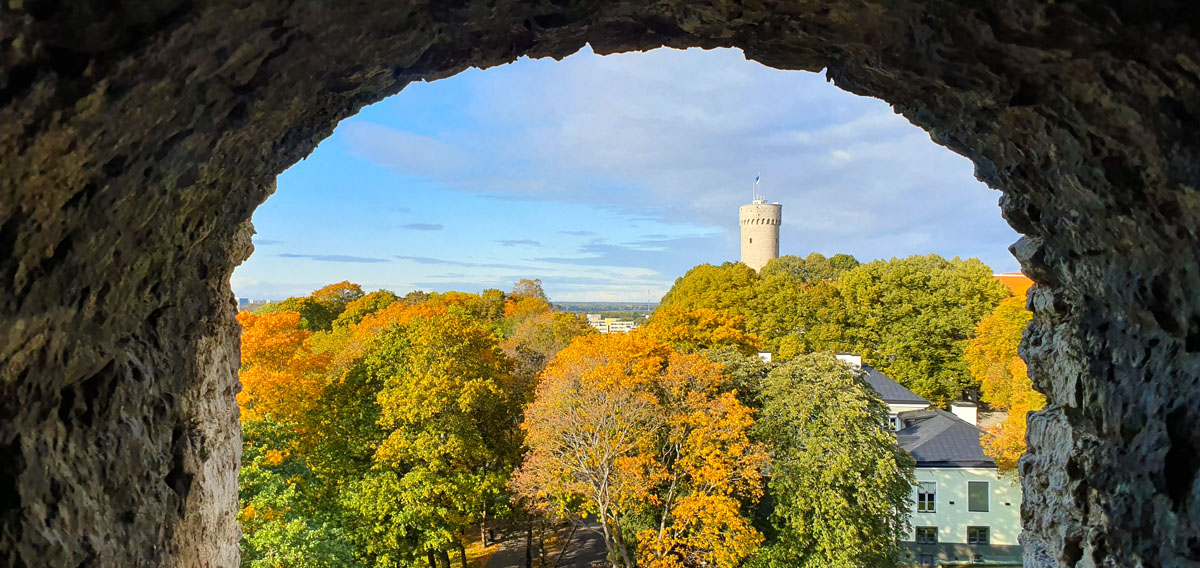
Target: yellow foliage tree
{"type": "Point", "coordinates": [695, 329]}
{"type": "Point", "coordinates": [1004, 381]}
{"type": "Point", "coordinates": [622, 424]}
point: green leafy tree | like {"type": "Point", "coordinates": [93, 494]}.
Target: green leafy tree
{"type": "Point", "coordinates": [811, 269]}
{"type": "Point", "coordinates": [451, 433]}
{"type": "Point", "coordinates": [744, 374]}
{"type": "Point", "coordinates": [728, 287]}
{"type": "Point", "coordinates": [794, 317]}
{"type": "Point", "coordinates": [911, 318]}
{"type": "Point", "coordinates": [282, 525]}
{"type": "Point", "coordinates": [839, 483]}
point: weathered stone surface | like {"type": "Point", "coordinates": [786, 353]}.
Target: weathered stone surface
{"type": "Point", "coordinates": [136, 138]}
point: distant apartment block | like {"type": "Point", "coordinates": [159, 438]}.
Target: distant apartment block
{"type": "Point", "coordinates": [610, 325]}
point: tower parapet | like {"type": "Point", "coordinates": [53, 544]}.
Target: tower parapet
{"type": "Point", "coordinates": [760, 222]}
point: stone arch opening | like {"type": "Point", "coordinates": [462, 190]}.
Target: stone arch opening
{"type": "Point", "coordinates": [137, 140]}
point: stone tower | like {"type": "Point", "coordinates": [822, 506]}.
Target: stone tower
{"type": "Point", "coordinates": [760, 232]}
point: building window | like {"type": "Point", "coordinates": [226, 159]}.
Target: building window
{"type": "Point", "coordinates": [977, 535]}
{"type": "Point", "coordinates": [926, 560]}
{"type": "Point", "coordinates": [977, 496]}
{"type": "Point", "coordinates": [894, 422]}
{"type": "Point", "coordinates": [926, 535]}
{"type": "Point", "coordinates": [927, 497]}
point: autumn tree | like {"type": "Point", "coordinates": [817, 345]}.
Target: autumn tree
{"type": "Point", "coordinates": [911, 318]}
{"type": "Point", "coordinates": [623, 425]}
{"type": "Point", "coordinates": [535, 339]}
{"type": "Point", "coordinates": [280, 375]}
{"type": "Point", "coordinates": [335, 297]}
{"type": "Point", "coordinates": [451, 431]}
{"type": "Point", "coordinates": [529, 288]}
{"type": "Point", "coordinates": [992, 356]}
{"type": "Point", "coordinates": [696, 329]}
{"type": "Point", "coordinates": [839, 482]}
{"type": "Point", "coordinates": [355, 310]}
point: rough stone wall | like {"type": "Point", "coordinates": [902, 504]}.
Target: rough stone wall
{"type": "Point", "coordinates": [136, 138]}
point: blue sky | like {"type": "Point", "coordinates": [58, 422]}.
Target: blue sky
{"type": "Point", "coordinates": [608, 177]}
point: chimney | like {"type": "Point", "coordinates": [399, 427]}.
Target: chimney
{"type": "Point", "coordinates": [854, 360]}
{"type": "Point", "coordinates": [968, 411]}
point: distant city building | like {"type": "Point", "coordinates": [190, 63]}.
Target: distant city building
{"type": "Point", "coordinates": [964, 511]}
{"type": "Point", "coordinates": [610, 325]}
{"type": "Point", "coordinates": [760, 231]}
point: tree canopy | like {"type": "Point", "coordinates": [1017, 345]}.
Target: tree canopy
{"type": "Point", "coordinates": [908, 317]}
{"type": "Point", "coordinates": [840, 484]}
{"type": "Point", "coordinates": [1004, 383]}
{"type": "Point", "coordinates": [624, 427]}
{"type": "Point", "coordinates": [911, 318]}
{"type": "Point", "coordinates": [380, 429]}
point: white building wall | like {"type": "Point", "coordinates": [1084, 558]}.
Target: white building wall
{"type": "Point", "coordinates": [952, 517]}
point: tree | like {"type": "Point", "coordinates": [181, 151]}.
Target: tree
{"type": "Point", "coordinates": [839, 482]}
{"type": "Point", "coordinates": [537, 338]}
{"type": "Point", "coordinates": [280, 375]}
{"type": "Point", "coordinates": [314, 316]}
{"type": "Point", "coordinates": [696, 329]}
{"type": "Point", "coordinates": [281, 525]}
{"type": "Point", "coordinates": [795, 318]}
{"type": "Point", "coordinates": [526, 288]}
{"type": "Point", "coordinates": [621, 424]}
{"type": "Point", "coordinates": [911, 317]}
{"type": "Point", "coordinates": [744, 374]}
{"type": "Point", "coordinates": [728, 287]}
{"type": "Point", "coordinates": [1004, 383]}
{"type": "Point", "coordinates": [451, 430]}
{"type": "Point", "coordinates": [810, 269]}
{"type": "Point", "coordinates": [356, 310]}
{"type": "Point", "coordinates": [335, 297]}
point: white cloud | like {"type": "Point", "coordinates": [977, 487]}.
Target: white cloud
{"type": "Point", "coordinates": [677, 137]}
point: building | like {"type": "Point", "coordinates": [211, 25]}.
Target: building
{"type": "Point", "coordinates": [1016, 282]}
{"type": "Point", "coordinates": [964, 510]}
{"type": "Point", "coordinates": [759, 223]}
{"type": "Point", "coordinates": [610, 325]}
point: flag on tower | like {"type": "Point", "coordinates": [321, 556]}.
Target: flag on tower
{"type": "Point", "coordinates": [756, 180]}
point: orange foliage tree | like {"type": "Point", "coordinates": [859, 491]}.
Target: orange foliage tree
{"type": "Point", "coordinates": [281, 376]}
{"type": "Point", "coordinates": [993, 359]}
{"type": "Point", "coordinates": [623, 425]}
{"type": "Point", "coordinates": [695, 329]}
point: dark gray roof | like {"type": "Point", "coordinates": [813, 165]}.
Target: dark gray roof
{"type": "Point", "coordinates": [937, 438]}
{"type": "Point", "coordinates": [889, 390]}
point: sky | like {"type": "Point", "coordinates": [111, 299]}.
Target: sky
{"type": "Point", "coordinates": [608, 177]}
